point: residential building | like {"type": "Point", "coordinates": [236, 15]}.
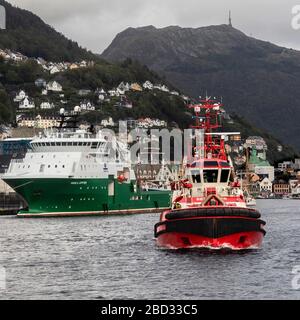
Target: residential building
{"type": "Point", "coordinates": [148, 85]}
{"type": "Point", "coordinates": [47, 105]}
{"type": "Point", "coordinates": [54, 86]}
{"type": "Point", "coordinates": [265, 185]}
{"type": "Point", "coordinates": [109, 122]}
{"type": "Point", "coordinates": [54, 70]}
{"type": "Point", "coordinates": [297, 164]}
{"type": "Point", "coordinates": [27, 103]}
{"type": "Point", "coordinates": [40, 82]}
{"type": "Point", "coordinates": [164, 88]}
{"type": "Point", "coordinates": [136, 87]}
{"type": "Point", "coordinates": [123, 87]}
{"type": "Point", "coordinates": [281, 187]}
{"type": "Point", "coordinates": [285, 165]}
{"type": "Point", "coordinates": [295, 188]}
{"type": "Point", "coordinates": [114, 93]}
{"type": "Point", "coordinates": [46, 122]}
{"type": "Point", "coordinates": [256, 142]}
{"type": "Point", "coordinates": [73, 66]}
{"type": "Point", "coordinates": [267, 171]}
{"type": "Point", "coordinates": [21, 95]}
{"type": "Point", "coordinates": [87, 106]}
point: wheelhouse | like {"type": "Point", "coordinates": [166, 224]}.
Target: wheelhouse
{"type": "Point", "coordinates": [210, 171]}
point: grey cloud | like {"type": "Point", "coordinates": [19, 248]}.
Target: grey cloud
{"type": "Point", "coordinates": [94, 23]}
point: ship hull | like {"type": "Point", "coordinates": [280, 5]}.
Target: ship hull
{"type": "Point", "coordinates": [219, 231]}
{"type": "Point", "coordinates": [82, 197]}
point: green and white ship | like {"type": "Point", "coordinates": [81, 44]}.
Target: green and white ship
{"type": "Point", "coordinates": [72, 172]}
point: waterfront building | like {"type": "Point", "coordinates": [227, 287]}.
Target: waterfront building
{"type": "Point", "coordinates": [265, 186]}
{"type": "Point", "coordinates": [267, 171]}
{"type": "Point", "coordinates": [281, 187]}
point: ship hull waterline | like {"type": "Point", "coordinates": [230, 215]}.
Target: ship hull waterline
{"type": "Point", "coordinates": [85, 197]}
{"type": "Point", "coordinates": [213, 233]}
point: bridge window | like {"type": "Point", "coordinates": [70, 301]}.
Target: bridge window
{"type": "Point", "coordinates": [94, 145]}
{"type": "Point", "coordinates": [210, 176]}
{"type": "Point", "coordinates": [196, 176]}
{"type": "Point", "coordinates": [210, 164]}
{"type": "Point", "coordinates": [225, 164]}
{"type": "Point", "coordinates": [224, 175]}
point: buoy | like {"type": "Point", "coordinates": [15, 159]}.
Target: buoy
{"type": "Point", "coordinates": [121, 178]}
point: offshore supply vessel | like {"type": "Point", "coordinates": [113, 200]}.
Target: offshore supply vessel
{"type": "Point", "coordinates": [209, 208]}
{"type": "Point", "coordinates": [73, 172]}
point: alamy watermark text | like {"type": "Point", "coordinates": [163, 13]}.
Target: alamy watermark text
{"type": "Point", "coordinates": [296, 17]}
{"type": "Point", "coordinates": [2, 18]}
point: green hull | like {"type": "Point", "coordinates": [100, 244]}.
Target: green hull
{"type": "Point", "coordinates": [69, 197]}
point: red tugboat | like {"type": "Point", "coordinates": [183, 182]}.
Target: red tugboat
{"type": "Point", "coordinates": [208, 207]}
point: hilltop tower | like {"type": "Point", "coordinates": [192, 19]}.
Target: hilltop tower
{"type": "Point", "coordinates": [230, 21]}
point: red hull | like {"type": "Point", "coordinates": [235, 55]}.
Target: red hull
{"type": "Point", "coordinates": [211, 228]}
{"type": "Point", "coordinates": [238, 241]}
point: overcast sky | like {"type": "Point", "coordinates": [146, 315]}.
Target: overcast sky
{"type": "Point", "coordinates": [94, 23]}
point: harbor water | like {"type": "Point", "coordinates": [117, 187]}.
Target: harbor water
{"type": "Point", "coordinates": [115, 257]}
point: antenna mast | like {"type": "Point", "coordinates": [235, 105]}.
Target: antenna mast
{"type": "Point", "coordinates": [230, 20]}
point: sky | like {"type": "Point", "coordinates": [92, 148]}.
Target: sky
{"type": "Point", "coordinates": [94, 23]}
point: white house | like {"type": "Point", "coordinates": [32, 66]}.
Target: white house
{"type": "Point", "coordinates": [123, 87]}
{"type": "Point", "coordinates": [148, 85]}
{"type": "Point", "coordinates": [108, 122]}
{"type": "Point", "coordinates": [295, 188]}
{"type": "Point", "coordinates": [121, 92]}
{"type": "Point", "coordinates": [285, 165]}
{"type": "Point", "coordinates": [44, 92]}
{"type": "Point", "coordinates": [20, 96]}
{"type": "Point", "coordinates": [54, 70]}
{"type": "Point", "coordinates": [47, 105]}
{"type": "Point", "coordinates": [265, 185]}
{"type": "Point", "coordinates": [26, 103]}
{"type": "Point", "coordinates": [87, 106]}
{"type": "Point", "coordinates": [265, 170]}
{"type": "Point", "coordinates": [83, 64]}
{"type": "Point", "coordinates": [54, 86]}
{"type": "Point", "coordinates": [114, 93]}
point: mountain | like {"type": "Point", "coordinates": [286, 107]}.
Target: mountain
{"type": "Point", "coordinates": [257, 80]}
{"type": "Point", "coordinates": [27, 33]}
